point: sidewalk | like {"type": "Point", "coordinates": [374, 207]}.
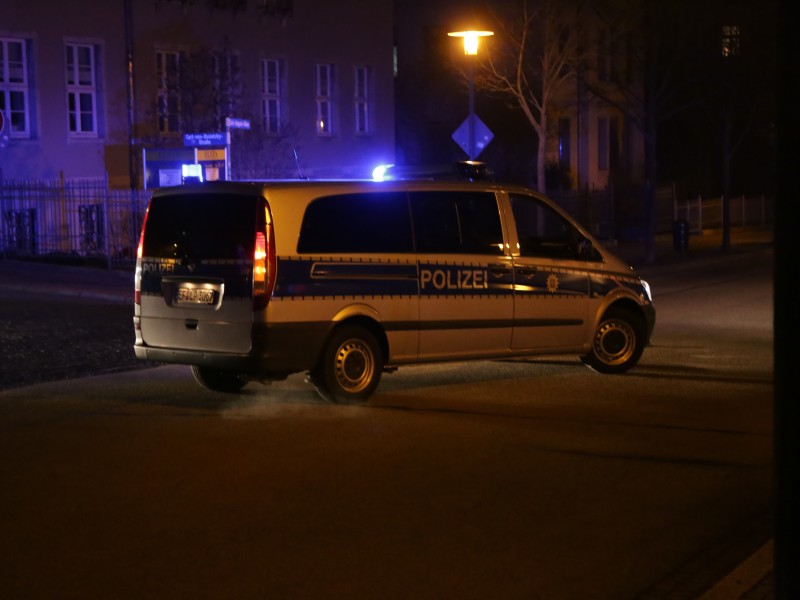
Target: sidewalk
{"type": "Point", "coordinates": [705, 246]}
{"type": "Point", "coordinates": [66, 280]}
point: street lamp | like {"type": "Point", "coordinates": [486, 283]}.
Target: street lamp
{"type": "Point", "coordinates": [471, 49]}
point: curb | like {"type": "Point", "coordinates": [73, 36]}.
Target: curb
{"type": "Point", "coordinates": [750, 576]}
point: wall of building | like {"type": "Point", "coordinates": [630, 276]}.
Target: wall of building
{"type": "Point", "coordinates": [346, 34]}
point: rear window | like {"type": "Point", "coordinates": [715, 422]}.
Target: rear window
{"type": "Point", "coordinates": [201, 226]}
{"type": "Point", "coordinates": [376, 222]}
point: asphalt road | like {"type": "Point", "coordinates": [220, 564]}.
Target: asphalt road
{"type": "Point", "coordinates": [491, 479]}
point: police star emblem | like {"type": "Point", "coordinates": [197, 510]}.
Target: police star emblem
{"type": "Point", "coordinates": [552, 283]}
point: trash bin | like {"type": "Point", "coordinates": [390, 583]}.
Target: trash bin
{"type": "Point", "coordinates": [680, 235]}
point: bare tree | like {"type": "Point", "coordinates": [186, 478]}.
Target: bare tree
{"type": "Point", "coordinates": [210, 89]}
{"type": "Point", "coordinates": [531, 60]}
{"type": "Point", "coordinates": [654, 41]}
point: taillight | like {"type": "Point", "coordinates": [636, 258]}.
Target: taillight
{"type": "Point", "coordinates": [264, 264]}
{"type": "Point", "coordinates": [137, 278]}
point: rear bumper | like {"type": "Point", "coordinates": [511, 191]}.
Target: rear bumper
{"type": "Point", "coordinates": [275, 350]}
{"type": "Point", "coordinates": [217, 360]}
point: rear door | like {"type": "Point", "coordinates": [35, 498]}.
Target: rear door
{"type": "Point", "coordinates": [466, 296]}
{"type": "Point", "coordinates": [197, 269]}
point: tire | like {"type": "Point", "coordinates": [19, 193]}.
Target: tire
{"type": "Point", "coordinates": [217, 380]}
{"type": "Point", "coordinates": [617, 344]}
{"type": "Point", "coordinates": [350, 366]}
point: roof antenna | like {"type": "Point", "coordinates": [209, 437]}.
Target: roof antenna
{"type": "Point", "coordinates": [297, 164]}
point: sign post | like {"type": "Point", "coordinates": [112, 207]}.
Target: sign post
{"type": "Point", "coordinates": [232, 123]}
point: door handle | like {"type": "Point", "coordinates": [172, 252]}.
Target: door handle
{"type": "Point", "coordinates": [499, 270]}
{"type": "Point", "coordinates": [527, 271]}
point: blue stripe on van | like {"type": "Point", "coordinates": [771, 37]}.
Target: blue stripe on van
{"type": "Point", "coordinates": [318, 278]}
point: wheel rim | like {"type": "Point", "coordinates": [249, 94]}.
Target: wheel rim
{"type": "Point", "coordinates": [355, 366]}
{"type": "Point", "coordinates": [614, 342]}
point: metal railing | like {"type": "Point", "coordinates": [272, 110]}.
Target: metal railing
{"type": "Point", "coordinates": [84, 219]}
{"type": "Point", "coordinates": [75, 218]}
{"type": "Point", "coordinates": [706, 213]}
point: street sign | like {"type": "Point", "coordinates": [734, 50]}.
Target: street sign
{"type": "Point", "coordinates": [233, 123]}
{"type": "Point", "coordinates": [218, 154]}
{"type": "Point", "coordinates": [483, 135]}
{"type": "Point", "coordinates": [204, 139]}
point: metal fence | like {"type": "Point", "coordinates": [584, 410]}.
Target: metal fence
{"type": "Point", "coordinates": [84, 219]}
{"type": "Point", "coordinates": [76, 218]}
{"type": "Point", "coordinates": [609, 215]}
{"type": "Point", "coordinates": [594, 210]}
{"type": "Point", "coordinates": [706, 213]}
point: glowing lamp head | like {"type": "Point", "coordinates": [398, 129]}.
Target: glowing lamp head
{"type": "Point", "coordinates": [470, 39]}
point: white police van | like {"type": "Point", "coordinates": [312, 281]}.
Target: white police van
{"type": "Point", "coordinates": [347, 279]}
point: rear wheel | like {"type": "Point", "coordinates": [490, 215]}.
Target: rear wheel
{"type": "Point", "coordinates": [618, 342]}
{"type": "Point", "coordinates": [219, 380]}
{"type": "Point", "coordinates": [350, 366]}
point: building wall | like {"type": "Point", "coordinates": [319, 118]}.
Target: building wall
{"type": "Point", "coordinates": [346, 33]}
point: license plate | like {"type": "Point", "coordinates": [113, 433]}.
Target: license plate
{"type": "Point", "coordinates": [195, 296]}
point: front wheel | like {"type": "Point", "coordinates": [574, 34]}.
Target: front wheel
{"type": "Point", "coordinates": [218, 380]}
{"type": "Point", "coordinates": [618, 342]}
{"type": "Point", "coordinates": [350, 366]}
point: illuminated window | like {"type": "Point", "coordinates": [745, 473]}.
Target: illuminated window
{"type": "Point", "coordinates": [325, 97]}
{"type": "Point", "coordinates": [14, 92]}
{"type": "Point", "coordinates": [168, 103]}
{"type": "Point", "coordinates": [361, 100]}
{"type": "Point", "coordinates": [272, 94]}
{"type": "Point", "coordinates": [731, 40]}
{"type": "Point", "coordinates": [81, 76]}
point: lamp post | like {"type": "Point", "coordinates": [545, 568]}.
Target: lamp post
{"type": "Point", "coordinates": [471, 49]}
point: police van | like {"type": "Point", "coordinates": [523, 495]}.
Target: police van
{"type": "Point", "coordinates": [345, 280]}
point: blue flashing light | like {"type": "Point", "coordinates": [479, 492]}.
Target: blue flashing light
{"type": "Point", "coordinates": [379, 172]}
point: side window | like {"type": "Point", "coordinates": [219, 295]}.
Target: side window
{"type": "Point", "coordinates": [456, 223]}
{"type": "Point", "coordinates": [376, 222]}
{"type": "Point", "coordinates": [544, 232]}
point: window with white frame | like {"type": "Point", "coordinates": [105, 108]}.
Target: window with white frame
{"type": "Point", "coordinates": [14, 92]}
{"type": "Point", "coordinates": [325, 98]}
{"type": "Point", "coordinates": [81, 76]}
{"type": "Point", "coordinates": [168, 103]}
{"type": "Point", "coordinates": [361, 100]}
{"type": "Point", "coordinates": [272, 94]}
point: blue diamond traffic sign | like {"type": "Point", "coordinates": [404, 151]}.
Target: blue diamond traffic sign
{"type": "Point", "coordinates": [483, 135]}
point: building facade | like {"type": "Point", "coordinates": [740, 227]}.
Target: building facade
{"type": "Point", "coordinates": [292, 88]}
